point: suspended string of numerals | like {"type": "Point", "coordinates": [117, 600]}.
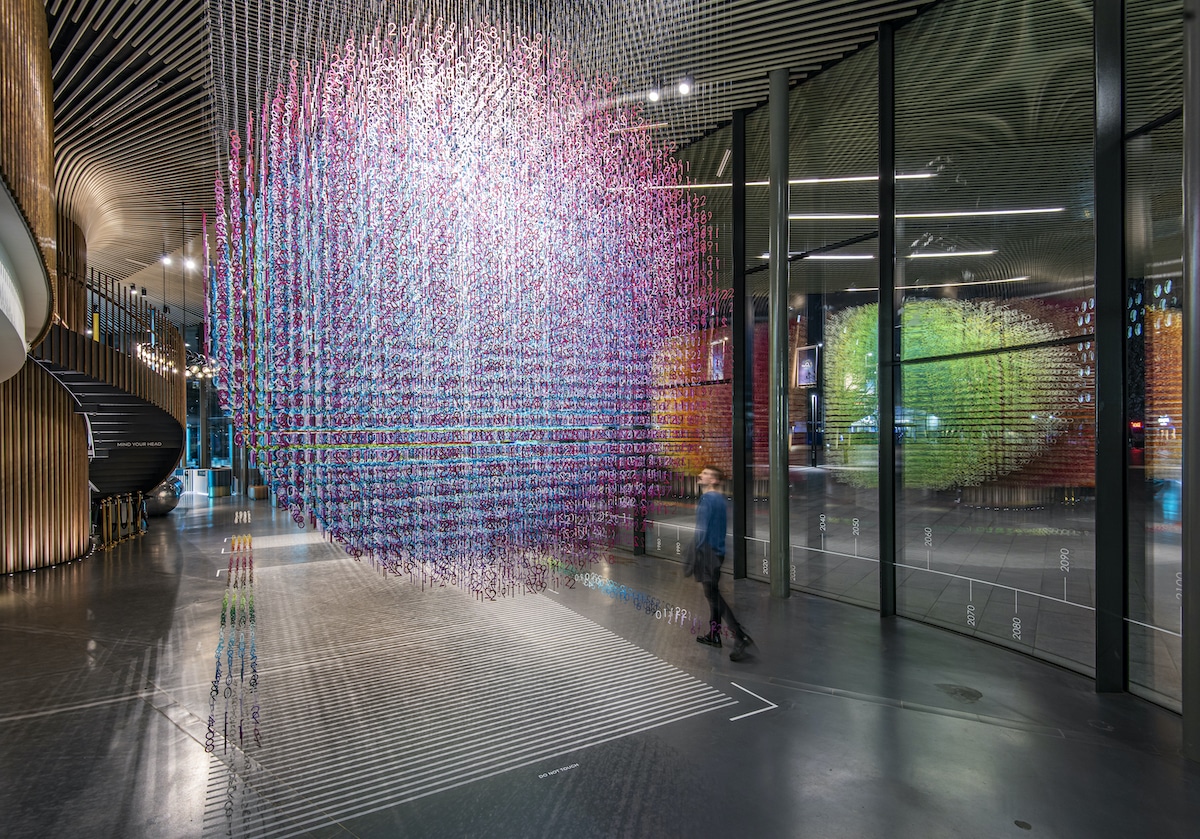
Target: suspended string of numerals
{"type": "Point", "coordinates": [440, 297]}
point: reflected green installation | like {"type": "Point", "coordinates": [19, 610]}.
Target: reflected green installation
{"type": "Point", "coordinates": [974, 415]}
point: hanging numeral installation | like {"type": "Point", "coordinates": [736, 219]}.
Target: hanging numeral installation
{"type": "Point", "coordinates": [448, 298]}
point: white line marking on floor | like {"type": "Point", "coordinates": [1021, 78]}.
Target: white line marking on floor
{"type": "Point", "coordinates": [770, 704]}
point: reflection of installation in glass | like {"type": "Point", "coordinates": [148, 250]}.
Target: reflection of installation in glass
{"type": "Point", "coordinates": [441, 286]}
{"type": "Point", "coordinates": [982, 413]}
{"type": "Point", "coordinates": [692, 404]}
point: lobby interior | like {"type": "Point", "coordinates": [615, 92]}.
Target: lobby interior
{"type": "Point", "coordinates": [962, 553]}
{"type": "Point", "coordinates": [369, 707]}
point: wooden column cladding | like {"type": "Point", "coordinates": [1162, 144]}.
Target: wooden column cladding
{"type": "Point", "coordinates": [44, 501]}
{"type": "Point", "coordinates": [27, 118]}
{"type": "Point", "coordinates": [71, 292]}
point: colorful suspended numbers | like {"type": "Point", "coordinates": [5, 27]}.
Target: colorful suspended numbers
{"type": "Point", "coordinates": [441, 292]}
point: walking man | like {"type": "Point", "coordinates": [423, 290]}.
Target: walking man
{"type": "Point", "coordinates": [708, 552]}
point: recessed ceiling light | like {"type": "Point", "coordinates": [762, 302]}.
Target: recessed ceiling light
{"type": "Point", "coordinates": [974, 213]}
{"type": "Point", "coordinates": [685, 86]}
{"type": "Point", "coordinates": [833, 217]}
{"type": "Point", "coordinates": [960, 285]}
{"type": "Point", "coordinates": [654, 95]}
{"type": "Point", "coordinates": [945, 285]}
{"type": "Point", "coordinates": [846, 179]}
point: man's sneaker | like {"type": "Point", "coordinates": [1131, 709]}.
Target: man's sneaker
{"type": "Point", "coordinates": [712, 639]}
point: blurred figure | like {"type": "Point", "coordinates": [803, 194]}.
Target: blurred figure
{"type": "Point", "coordinates": [704, 563]}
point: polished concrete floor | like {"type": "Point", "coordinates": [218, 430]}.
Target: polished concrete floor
{"type": "Point", "coordinates": [148, 693]}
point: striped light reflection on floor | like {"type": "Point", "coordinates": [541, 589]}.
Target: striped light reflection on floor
{"type": "Point", "coordinates": [376, 695]}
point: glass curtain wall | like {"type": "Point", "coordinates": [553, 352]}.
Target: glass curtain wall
{"type": "Point", "coordinates": [832, 451]}
{"type": "Point", "coordinates": [758, 525]}
{"type": "Point", "coordinates": [706, 404]}
{"type": "Point", "coordinates": [219, 427]}
{"type": "Point", "coordinates": [833, 314]}
{"type": "Point", "coordinates": [202, 397]}
{"type": "Point", "coordinates": [1154, 344]}
{"type": "Point", "coordinates": [995, 414]}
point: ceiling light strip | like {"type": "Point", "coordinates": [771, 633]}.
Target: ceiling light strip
{"type": "Point", "coordinates": [846, 179]}
{"type": "Point", "coordinates": [947, 254]}
{"type": "Point", "coordinates": [948, 214]}
{"type": "Point", "coordinates": [942, 285]}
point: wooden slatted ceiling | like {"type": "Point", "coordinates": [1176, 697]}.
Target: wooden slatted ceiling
{"type": "Point", "coordinates": [134, 151]}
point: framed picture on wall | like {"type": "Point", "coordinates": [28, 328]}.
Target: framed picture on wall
{"type": "Point", "coordinates": [716, 361]}
{"type": "Point", "coordinates": [807, 365]}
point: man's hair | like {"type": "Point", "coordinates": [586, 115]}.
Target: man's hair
{"type": "Point", "coordinates": [710, 468]}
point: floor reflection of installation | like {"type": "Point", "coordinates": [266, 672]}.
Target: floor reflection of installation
{"type": "Point", "coordinates": [382, 692]}
{"type": "Point", "coordinates": [234, 718]}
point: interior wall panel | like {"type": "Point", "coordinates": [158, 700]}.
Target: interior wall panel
{"type": "Point", "coordinates": [43, 473]}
